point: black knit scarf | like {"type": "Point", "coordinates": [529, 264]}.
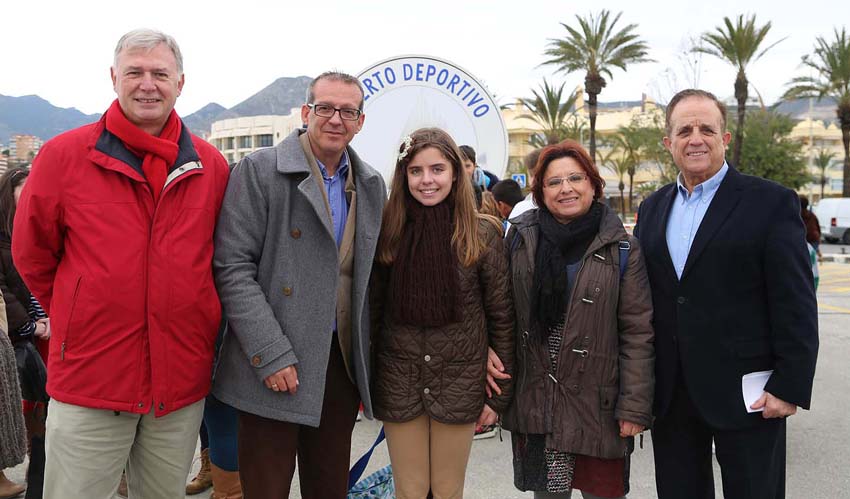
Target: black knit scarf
{"type": "Point", "coordinates": [424, 287]}
{"type": "Point", "coordinates": [559, 245]}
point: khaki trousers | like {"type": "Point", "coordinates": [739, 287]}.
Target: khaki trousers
{"type": "Point", "coordinates": [87, 449]}
{"type": "Point", "coordinates": [428, 455]}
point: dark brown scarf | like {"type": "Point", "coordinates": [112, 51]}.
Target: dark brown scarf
{"type": "Point", "coordinates": [424, 287]}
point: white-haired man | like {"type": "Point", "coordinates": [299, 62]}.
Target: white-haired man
{"type": "Point", "coordinates": [114, 236]}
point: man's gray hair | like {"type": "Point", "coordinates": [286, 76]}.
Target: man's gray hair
{"type": "Point", "coordinates": [148, 39]}
{"type": "Point", "coordinates": [335, 76]}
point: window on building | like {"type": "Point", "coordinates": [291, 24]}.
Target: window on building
{"type": "Point", "coordinates": [227, 143]}
{"type": "Point", "coordinates": [245, 141]}
{"type": "Point", "coordinates": [836, 184]}
{"type": "Point", "coordinates": [264, 140]}
{"type": "Point", "coordinates": [229, 157]}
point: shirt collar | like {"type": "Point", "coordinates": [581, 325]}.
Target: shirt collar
{"type": "Point", "coordinates": [707, 188]}
{"type": "Point", "coordinates": [341, 171]}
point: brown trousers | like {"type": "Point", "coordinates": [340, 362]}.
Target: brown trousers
{"type": "Point", "coordinates": [268, 448]}
{"type": "Point", "coordinates": [427, 455]}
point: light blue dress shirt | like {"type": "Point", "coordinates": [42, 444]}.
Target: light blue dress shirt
{"type": "Point", "coordinates": [335, 187]}
{"type": "Point", "coordinates": [687, 214]}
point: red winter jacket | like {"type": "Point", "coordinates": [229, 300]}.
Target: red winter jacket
{"type": "Point", "coordinates": [133, 308]}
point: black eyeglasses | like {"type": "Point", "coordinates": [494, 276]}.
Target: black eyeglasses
{"type": "Point", "coordinates": [326, 111]}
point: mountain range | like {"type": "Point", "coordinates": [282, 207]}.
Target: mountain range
{"type": "Point", "coordinates": [32, 115]}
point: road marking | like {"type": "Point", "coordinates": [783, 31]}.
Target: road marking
{"type": "Point", "coordinates": [834, 308]}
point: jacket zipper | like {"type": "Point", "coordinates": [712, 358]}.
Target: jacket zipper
{"type": "Point", "coordinates": [70, 316]}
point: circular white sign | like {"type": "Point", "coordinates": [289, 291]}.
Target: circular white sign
{"type": "Point", "coordinates": [406, 93]}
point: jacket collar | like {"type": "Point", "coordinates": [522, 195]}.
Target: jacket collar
{"type": "Point", "coordinates": [294, 157]}
{"type": "Point", "coordinates": [610, 227]}
{"type": "Point", "coordinates": [727, 197]}
{"type": "Point", "coordinates": [291, 159]}
{"type": "Point", "coordinates": [112, 147]}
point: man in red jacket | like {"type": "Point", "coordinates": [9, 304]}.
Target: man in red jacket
{"type": "Point", "coordinates": [113, 235]}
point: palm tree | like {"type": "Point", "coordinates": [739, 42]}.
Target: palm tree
{"type": "Point", "coordinates": [831, 62]}
{"type": "Point", "coordinates": [574, 127]}
{"type": "Point", "coordinates": [822, 161]}
{"type": "Point", "coordinates": [632, 140]}
{"type": "Point", "coordinates": [549, 110]}
{"type": "Point", "coordinates": [615, 161]}
{"type": "Point", "coordinates": [597, 48]}
{"type": "Point", "coordinates": [738, 44]}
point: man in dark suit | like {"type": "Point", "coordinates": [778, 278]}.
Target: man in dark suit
{"type": "Point", "coordinates": [733, 294]}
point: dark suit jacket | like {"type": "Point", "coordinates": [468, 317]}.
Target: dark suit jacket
{"type": "Point", "coordinates": [745, 302]}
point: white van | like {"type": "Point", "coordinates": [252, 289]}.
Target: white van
{"type": "Point", "coordinates": [834, 217]}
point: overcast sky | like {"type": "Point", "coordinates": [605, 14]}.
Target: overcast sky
{"type": "Point", "coordinates": [62, 50]}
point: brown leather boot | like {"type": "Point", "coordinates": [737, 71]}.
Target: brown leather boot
{"type": "Point", "coordinates": [226, 484]}
{"type": "Point", "coordinates": [122, 485]}
{"type": "Point", "coordinates": [203, 480]}
{"type": "Point", "coordinates": [9, 489]}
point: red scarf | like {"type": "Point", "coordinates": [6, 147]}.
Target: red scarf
{"type": "Point", "coordinates": [158, 152]}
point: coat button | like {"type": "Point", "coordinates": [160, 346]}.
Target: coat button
{"type": "Point", "coordinates": [681, 300]}
{"type": "Point", "coordinates": [255, 360]}
{"type": "Point", "coordinates": [161, 406]}
{"type": "Point", "coordinates": [141, 404]}
{"type": "Point", "coordinates": [287, 291]}
{"type": "Point", "coordinates": [295, 233]}
{"type": "Point", "coordinates": [426, 391]}
{"type": "Point", "coordinates": [427, 358]}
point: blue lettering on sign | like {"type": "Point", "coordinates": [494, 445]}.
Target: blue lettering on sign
{"type": "Point", "coordinates": [431, 71]}
{"type": "Point", "coordinates": [377, 75]}
{"type": "Point", "coordinates": [451, 86]}
{"type": "Point", "coordinates": [455, 84]}
{"type": "Point", "coordinates": [371, 88]}
{"type": "Point", "coordinates": [481, 110]}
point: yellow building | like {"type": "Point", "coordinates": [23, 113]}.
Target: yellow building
{"type": "Point", "coordinates": [816, 135]}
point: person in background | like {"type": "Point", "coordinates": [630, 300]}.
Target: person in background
{"type": "Point", "coordinates": [481, 178]}
{"type": "Point", "coordinates": [13, 447]}
{"type": "Point", "coordinates": [507, 193]}
{"type": "Point", "coordinates": [530, 163]}
{"type": "Point", "coordinates": [27, 321]}
{"type": "Point", "coordinates": [480, 183]}
{"type": "Point", "coordinates": [813, 258]}
{"type": "Point", "coordinates": [810, 220]}
{"type": "Point", "coordinates": [584, 375]}
{"type": "Point", "coordinates": [488, 205]}
{"type": "Point", "coordinates": [202, 481]}
{"type": "Point", "coordinates": [114, 236]}
{"type": "Point", "coordinates": [439, 298]}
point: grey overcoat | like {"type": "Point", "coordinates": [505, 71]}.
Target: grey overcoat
{"type": "Point", "coordinates": [276, 267]}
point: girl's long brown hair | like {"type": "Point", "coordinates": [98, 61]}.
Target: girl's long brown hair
{"type": "Point", "coordinates": [465, 238]}
{"type": "Point", "coordinates": [8, 183]}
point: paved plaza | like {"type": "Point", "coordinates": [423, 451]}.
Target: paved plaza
{"type": "Point", "coordinates": [818, 440]}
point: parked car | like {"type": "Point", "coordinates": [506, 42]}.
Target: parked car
{"type": "Point", "coordinates": [834, 217]}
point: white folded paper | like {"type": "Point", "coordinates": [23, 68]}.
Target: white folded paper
{"type": "Point", "coordinates": [752, 387]}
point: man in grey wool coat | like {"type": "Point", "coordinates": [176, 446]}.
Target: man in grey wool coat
{"type": "Point", "coordinates": [294, 249]}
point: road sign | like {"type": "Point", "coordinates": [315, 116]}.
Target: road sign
{"type": "Point", "coordinates": [519, 178]}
